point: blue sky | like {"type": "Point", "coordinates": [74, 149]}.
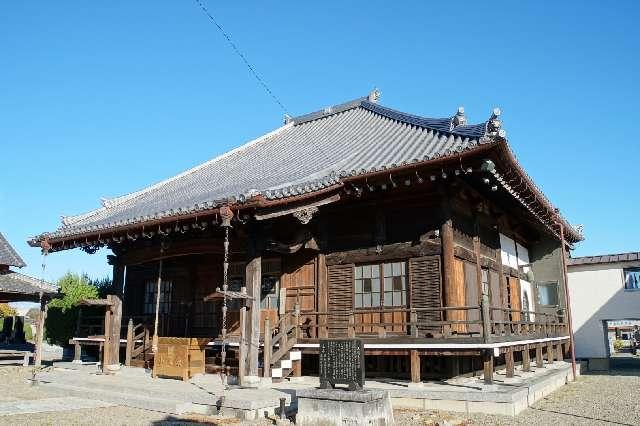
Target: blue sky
{"type": "Point", "coordinates": [98, 99]}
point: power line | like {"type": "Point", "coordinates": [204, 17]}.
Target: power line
{"type": "Point", "coordinates": [241, 55]}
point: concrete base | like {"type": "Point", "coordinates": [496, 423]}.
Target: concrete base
{"type": "Point", "coordinates": [598, 364]}
{"type": "Point", "coordinates": [509, 396]}
{"type": "Point", "coordinates": [329, 407]}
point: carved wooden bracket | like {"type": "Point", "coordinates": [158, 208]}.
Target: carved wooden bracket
{"type": "Point", "coordinates": [305, 215]}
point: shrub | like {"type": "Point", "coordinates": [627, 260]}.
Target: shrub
{"type": "Point", "coordinates": [63, 313]}
{"type": "Point", "coordinates": [618, 344]}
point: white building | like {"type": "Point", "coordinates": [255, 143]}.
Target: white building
{"type": "Point", "coordinates": [602, 288]}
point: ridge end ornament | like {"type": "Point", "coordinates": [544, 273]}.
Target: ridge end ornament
{"type": "Point", "coordinates": [305, 215]}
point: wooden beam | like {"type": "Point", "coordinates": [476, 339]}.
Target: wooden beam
{"type": "Point", "coordinates": [385, 252]}
{"type": "Point", "coordinates": [112, 332]}
{"type": "Point", "coordinates": [550, 352]}
{"type": "Point", "coordinates": [415, 366]}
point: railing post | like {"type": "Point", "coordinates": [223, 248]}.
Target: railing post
{"type": "Point", "coordinates": [413, 318]}
{"type": "Point", "coordinates": [130, 343]}
{"type": "Point", "coordinates": [296, 330]}
{"type": "Point", "coordinates": [486, 321]}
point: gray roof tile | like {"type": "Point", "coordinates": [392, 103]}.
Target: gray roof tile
{"type": "Point", "coordinates": [17, 283]}
{"type": "Point", "coordinates": [8, 256]}
{"type": "Point", "coordinates": [308, 153]}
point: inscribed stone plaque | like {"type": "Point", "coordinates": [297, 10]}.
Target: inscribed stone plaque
{"type": "Point", "coordinates": [342, 362]}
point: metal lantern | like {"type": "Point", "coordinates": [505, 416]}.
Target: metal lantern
{"type": "Point", "coordinates": [226, 215]}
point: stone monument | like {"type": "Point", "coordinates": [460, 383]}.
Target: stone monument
{"type": "Point", "coordinates": [342, 363]}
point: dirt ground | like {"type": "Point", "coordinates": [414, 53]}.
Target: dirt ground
{"type": "Point", "coordinates": [595, 399]}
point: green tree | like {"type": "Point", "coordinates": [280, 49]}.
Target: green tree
{"type": "Point", "coordinates": [6, 310]}
{"type": "Point", "coordinates": [63, 312]}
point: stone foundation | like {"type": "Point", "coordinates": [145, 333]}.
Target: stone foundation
{"type": "Point", "coordinates": [335, 407]}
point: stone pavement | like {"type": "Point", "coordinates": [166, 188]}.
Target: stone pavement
{"type": "Point", "coordinates": [49, 405]}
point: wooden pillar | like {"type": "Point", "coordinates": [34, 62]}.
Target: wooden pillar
{"type": "Point", "coordinates": [526, 360]}
{"type": "Point", "coordinates": [323, 294]}
{"type": "Point", "coordinates": [41, 319]}
{"type": "Point", "coordinates": [446, 236]}
{"type": "Point", "coordinates": [549, 352]}
{"type": "Point", "coordinates": [242, 356]}
{"type": "Point", "coordinates": [487, 359]}
{"type": "Point", "coordinates": [266, 353]}
{"type": "Point", "coordinates": [113, 322]}
{"type": "Point", "coordinates": [415, 366]}
{"type": "Point", "coordinates": [539, 362]}
{"type": "Point", "coordinates": [154, 340]}
{"type": "Point", "coordinates": [508, 357]}
{"type": "Point", "coordinates": [297, 368]}
{"type": "Point", "coordinates": [253, 278]}
{"type": "Point", "coordinates": [77, 353]}
{"type": "Point", "coordinates": [559, 354]}
{"type": "Point", "coordinates": [130, 343]}
{"type": "Point", "coordinates": [118, 276]}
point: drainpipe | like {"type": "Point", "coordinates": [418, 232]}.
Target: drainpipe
{"type": "Point", "coordinates": [568, 300]}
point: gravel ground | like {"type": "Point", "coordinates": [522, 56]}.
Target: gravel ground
{"type": "Point", "coordinates": [595, 399]}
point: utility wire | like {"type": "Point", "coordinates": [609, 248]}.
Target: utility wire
{"type": "Point", "coordinates": [241, 55]}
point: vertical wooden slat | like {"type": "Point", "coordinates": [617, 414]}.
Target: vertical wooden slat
{"type": "Point", "coordinates": [340, 298]}
{"type": "Point", "coordinates": [425, 283]}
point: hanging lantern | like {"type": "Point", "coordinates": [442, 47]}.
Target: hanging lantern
{"type": "Point", "coordinates": [226, 215]}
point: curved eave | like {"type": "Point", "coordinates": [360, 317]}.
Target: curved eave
{"type": "Point", "coordinates": [301, 193]}
{"type": "Point", "coordinates": [540, 206]}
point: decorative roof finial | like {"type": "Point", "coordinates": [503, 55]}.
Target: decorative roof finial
{"type": "Point", "coordinates": [288, 119]}
{"type": "Point", "coordinates": [459, 119]}
{"type": "Point", "coordinates": [494, 125]}
{"type": "Point", "coordinates": [374, 95]}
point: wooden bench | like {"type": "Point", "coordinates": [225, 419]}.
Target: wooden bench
{"type": "Point", "coordinates": [8, 356]}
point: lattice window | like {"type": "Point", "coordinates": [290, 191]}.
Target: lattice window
{"type": "Point", "coordinates": [380, 285]}
{"type": "Point", "coordinates": [166, 287]}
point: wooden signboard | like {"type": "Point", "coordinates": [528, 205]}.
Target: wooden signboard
{"type": "Point", "coordinates": [342, 362]}
{"type": "Point", "coordinates": [181, 357]}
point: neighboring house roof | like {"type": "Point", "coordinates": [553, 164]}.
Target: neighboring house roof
{"type": "Point", "coordinates": [12, 282]}
{"type": "Point", "coordinates": [8, 255]}
{"type": "Point", "coordinates": [308, 154]}
{"type": "Point", "coordinates": [604, 258]}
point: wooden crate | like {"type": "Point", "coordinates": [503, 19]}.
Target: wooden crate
{"type": "Point", "coordinates": [181, 357]}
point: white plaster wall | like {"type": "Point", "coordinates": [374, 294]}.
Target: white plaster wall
{"type": "Point", "coordinates": [597, 294]}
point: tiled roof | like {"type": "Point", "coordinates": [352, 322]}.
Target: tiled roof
{"type": "Point", "coordinates": [20, 284]}
{"type": "Point", "coordinates": [8, 255]}
{"type": "Point", "coordinates": [605, 258]}
{"type": "Point", "coordinates": [308, 153]}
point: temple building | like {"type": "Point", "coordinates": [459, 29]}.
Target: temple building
{"type": "Point", "coordinates": [423, 237]}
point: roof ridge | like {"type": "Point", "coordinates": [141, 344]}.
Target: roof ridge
{"type": "Point", "coordinates": [609, 254]}
{"type": "Point", "coordinates": [18, 261]}
{"type": "Point", "coordinates": [118, 201]}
